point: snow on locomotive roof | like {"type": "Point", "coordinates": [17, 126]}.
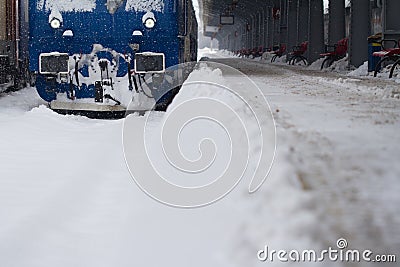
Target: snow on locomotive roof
{"type": "Point", "coordinates": [145, 5]}
{"type": "Point", "coordinates": [90, 5]}
{"type": "Point", "coordinates": [67, 5]}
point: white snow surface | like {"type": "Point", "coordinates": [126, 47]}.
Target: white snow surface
{"type": "Point", "coordinates": [148, 15]}
{"type": "Point", "coordinates": [361, 71]}
{"type": "Point", "coordinates": [67, 199]}
{"type": "Point", "coordinates": [55, 14]}
{"type": "Point", "coordinates": [113, 5]}
{"type": "Point", "coordinates": [67, 5]}
{"type": "Point", "coordinates": [145, 5]}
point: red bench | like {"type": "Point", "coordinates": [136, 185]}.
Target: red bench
{"type": "Point", "coordinates": [279, 52]}
{"type": "Point", "coordinates": [245, 52]}
{"type": "Point", "coordinates": [297, 54]}
{"type": "Point", "coordinates": [388, 54]}
{"type": "Point", "coordinates": [338, 51]}
{"type": "Point", "coordinates": [257, 51]}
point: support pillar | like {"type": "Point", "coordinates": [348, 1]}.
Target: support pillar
{"type": "Point", "coordinates": [360, 29]}
{"type": "Point", "coordinates": [266, 27]}
{"type": "Point", "coordinates": [3, 20]}
{"type": "Point", "coordinates": [283, 22]}
{"type": "Point", "coordinates": [248, 34]}
{"type": "Point", "coordinates": [277, 23]}
{"type": "Point", "coordinates": [316, 43]}
{"type": "Point", "coordinates": [260, 31]}
{"type": "Point", "coordinates": [244, 35]}
{"type": "Point", "coordinates": [257, 30]}
{"type": "Point", "coordinates": [254, 31]}
{"type": "Point", "coordinates": [292, 23]}
{"type": "Point", "coordinates": [391, 25]}
{"type": "Point", "coordinates": [262, 27]}
{"type": "Point", "coordinates": [271, 28]}
{"type": "Point", "coordinates": [302, 21]}
{"type": "Point", "coordinates": [251, 33]}
{"type": "Point", "coordinates": [337, 21]}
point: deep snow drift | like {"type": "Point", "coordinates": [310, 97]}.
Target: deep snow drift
{"type": "Point", "coordinates": [67, 198]}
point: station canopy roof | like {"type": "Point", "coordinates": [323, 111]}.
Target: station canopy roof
{"type": "Point", "coordinates": [212, 10]}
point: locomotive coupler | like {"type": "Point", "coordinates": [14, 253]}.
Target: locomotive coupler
{"type": "Point", "coordinates": [103, 90]}
{"type": "Point", "coordinates": [98, 92]}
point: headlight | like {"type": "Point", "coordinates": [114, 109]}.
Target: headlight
{"type": "Point", "coordinates": [55, 23]}
{"type": "Point", "coordinates": [149, 23]}
{"type": "Point", "coordinates": [149, 20]}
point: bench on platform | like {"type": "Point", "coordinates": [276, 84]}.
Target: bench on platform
{"type": "Point", "coordinates": [334, 52]}
{"type": "Point", "coordinates": [278, 52]}
{"type": "Point", "coordinates": [297, 54]}
{"type": "Point", "coordinates": [388, 54]}
{"type": "Point", "coordinates": [258, 51]}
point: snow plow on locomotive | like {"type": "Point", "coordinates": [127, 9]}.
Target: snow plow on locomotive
{"type": "Point", "coordinates": [97, 57]}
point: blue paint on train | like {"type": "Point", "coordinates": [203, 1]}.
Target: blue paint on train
{"type": "Point", "coordinates": [114, 32]}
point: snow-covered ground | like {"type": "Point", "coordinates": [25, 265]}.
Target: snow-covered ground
{"type": "Point", "coordinates": [340, 66]}
{"type": "Point", "coordinates": [67, 198]}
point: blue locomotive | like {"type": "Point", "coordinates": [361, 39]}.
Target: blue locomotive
{"type": "Point", "coordinates": [93, 57]}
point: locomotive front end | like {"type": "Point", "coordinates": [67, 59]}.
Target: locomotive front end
{"type": "Point", "coordinates": [96, 57]}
